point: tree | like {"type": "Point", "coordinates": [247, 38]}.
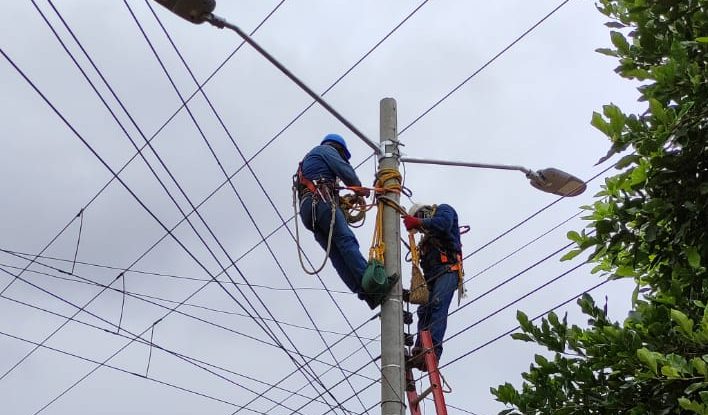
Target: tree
{"type": "Point", "coordinates": [648, 223]}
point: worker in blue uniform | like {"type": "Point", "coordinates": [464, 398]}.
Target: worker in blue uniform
{"type": "Point", "coordinates": [318, 175]}
{"type": "Point", "coordinates": [440, 251]}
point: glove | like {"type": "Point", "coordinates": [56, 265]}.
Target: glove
{"type": "Point", "coordinates": [411, 222]}
{"type": "Point", "coordinates": [363, 192]}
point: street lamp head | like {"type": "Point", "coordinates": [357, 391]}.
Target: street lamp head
{"type": "Point", "coordinates": [556, 181]}
{"type": "Point", "coordinates": [196, 11]}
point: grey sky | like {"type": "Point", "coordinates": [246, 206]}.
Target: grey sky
{"type": "Point", "coordinates": [531, 107]}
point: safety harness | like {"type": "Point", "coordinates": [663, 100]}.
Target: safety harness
{"type": "Point", "coordinates": [449, 257]}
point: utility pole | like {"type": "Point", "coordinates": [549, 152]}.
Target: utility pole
{"type": "Point", "coordinates": [392, 360]}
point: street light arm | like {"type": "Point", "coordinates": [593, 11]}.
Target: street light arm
{"type": "Point", "coordinates": [467, 164]}
{"type": "Point", "coordinates": [222, 23]}
{"type": "Point", "coordinates": [549, 180]}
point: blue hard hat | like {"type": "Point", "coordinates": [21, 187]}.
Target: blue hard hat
{"type": "Point", "coordinates": [336, 138]}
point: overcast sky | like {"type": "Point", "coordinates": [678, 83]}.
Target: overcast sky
{"type": "Point", "coordinates": [530, 107]}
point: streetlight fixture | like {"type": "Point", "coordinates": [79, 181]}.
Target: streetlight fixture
{"type": "Point", "coordinates": [549, 180]}
{"type": "Point", "coordinates": [196, 11]}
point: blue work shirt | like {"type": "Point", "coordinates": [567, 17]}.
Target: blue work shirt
{"type": "Point", "coordinates": [442, 232]}
{"type": "Point", "coordinates": [325, 162]}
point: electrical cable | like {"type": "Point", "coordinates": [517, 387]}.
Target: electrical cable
{"type": "Point", "coordinates": [139, 296]}
{"type": "Point", "coordinates": [108, 107]}
{"type": "Point", "coordinates": [93, 151]}
{"type": "Point", "coordinates": [133, 337]}
{"type": "Point", "coordinates": [164, 383]}
{"type": "Point", "coordinates": [255, 176]}
{"type": "Point", "coordinates": [135, 124]}
{"type": "Point", "coordinates": [24, 255]}
{"type": "Point", "coordinates": [78, 239]}
{"type": "Point", "coordinates": [489, 62]}
{"type": "Point", "coordinates": [192, 360]}
{"type": "Point", "coordinates": [518, 327]}
{"type": "Point", "coordinates": [219, 163]}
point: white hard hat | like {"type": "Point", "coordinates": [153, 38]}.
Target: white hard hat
{"type": "Point", "coordinates": [416, 207]}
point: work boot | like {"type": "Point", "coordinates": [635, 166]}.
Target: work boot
{"type": "Point", "coordinates": [372, 303]}
{"type": "Point", "coordinates": [417, 360]}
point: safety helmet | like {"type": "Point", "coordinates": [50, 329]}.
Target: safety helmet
{"type": "Point", "coordinates": [336, 138]}
{"type": "Point", "coordinates": [421, 210]}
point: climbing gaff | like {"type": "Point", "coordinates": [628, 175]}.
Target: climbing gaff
{"type": "Point", "coordinates": [196, 11]}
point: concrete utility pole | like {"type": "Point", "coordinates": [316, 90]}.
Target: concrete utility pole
{"type": "Point", "coordinates": [392, 360]}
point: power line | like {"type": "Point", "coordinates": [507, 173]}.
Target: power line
{"type": "Point", "coordinates": [165, 275]}
{"type": "Point", "coordinates": [140, 202]}
{"type": "Point", "coordinates": [211, 150]}
{"type": "Point", "coordinates": [255, 176]}
{"type": "Point", "coordinates": [164, 166]}
{"type": "Point", "coordinates": [518, 327]}
{"type": "Point", "coordinates": [164, 383]}
{"type": "Point", "coordinates": [192, 360]}
{"type": "Point", "coordinates": [489, 62]}
{"type": "Point", "coordinates": [140, 296]}
{"type": "Point", "coordinates": [139, 338]}
{"type": "Point", "coordinates": [107, 106]}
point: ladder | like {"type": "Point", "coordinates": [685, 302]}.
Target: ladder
{"type": "Point", "coordinates": [436, 388]}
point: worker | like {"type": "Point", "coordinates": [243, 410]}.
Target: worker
{"type": "Point", "coordinates": [318, 174]}
{"type": "Point", "coordinates": [440, 251]}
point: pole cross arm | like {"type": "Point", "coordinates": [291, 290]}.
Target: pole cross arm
{"type": "Point", "coordinates": [549, 180]}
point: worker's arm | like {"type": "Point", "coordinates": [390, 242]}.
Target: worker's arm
{"type": "Point", "coordinates": [340, 167]}
{"type": "Point", "coordinates": [441, 223]}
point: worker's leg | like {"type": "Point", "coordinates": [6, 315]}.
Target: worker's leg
{"type": "Point", "coordinates": [344, 248]}
{"type": "Point", "coordinates": [433, 316]}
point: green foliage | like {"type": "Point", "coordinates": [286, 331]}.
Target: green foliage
{"type": "Point", "coordinates": [648, 223]}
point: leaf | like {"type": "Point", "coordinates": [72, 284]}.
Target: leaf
{"type": "Point", "coordinates": [669, 372]}
{"type": "Point", "coordinates": [694, 258]}
{"type": "Point", "coordinates": [702, 39]}
{"type": "Point", "coordinates": [615, 25]}
{"type": "Point", "coordinates": [648, 358]}
{"type": "Point", "coordinates": [607, 52]}
{"type": "Point", "coordinates": [571, 254]}
{"type": "Point", "coordinates": [521, 336]}
{"type": "Point", "coordinates": [619, 41]}
{"type": "Point", "coordinates": [685, 323]}
{"type": "Point", "coordinates": [691, 405]}
{"type": "Point", "coordinates": [625, 271]}
{"type": "Point", "coordinates": [695, 387]}
{"type": "Point", "coordinates": [574, 236]}
{"type": "Point", "coordinates": [598, 122]}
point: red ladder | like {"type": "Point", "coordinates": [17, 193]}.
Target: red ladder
{"type": "Point", "coordinates": [431, 363]}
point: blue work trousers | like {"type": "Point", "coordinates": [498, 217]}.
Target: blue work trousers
{"type": "Point", "coordinates": [433, 316]}
{"type": "Point", "coordinates": [344, 251]}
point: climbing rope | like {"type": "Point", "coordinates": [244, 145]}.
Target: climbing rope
{"type": "Point", "coordinates": [297, 232]}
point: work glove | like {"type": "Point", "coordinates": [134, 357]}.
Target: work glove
{"type": "Point", "coordinates": [363, 192]}
{"type": "Point", "coordinates": [411, 222]}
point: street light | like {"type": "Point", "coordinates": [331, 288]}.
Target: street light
{"type": "Point", "coordinates": [549, 180]}
{"type": "Point", "coordinates": [196, 11]}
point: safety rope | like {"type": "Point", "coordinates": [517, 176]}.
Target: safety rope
{"type": "Point", "coordinates": [297, 233]}
{"type": "Point", "coordinates": [378, 248]}
{"type": "Point", "coordinates": [376, 252]}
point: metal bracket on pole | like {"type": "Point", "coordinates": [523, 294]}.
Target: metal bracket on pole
{"type": "Point", "coordinates": [383, 147]}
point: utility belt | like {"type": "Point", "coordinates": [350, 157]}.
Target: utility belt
{"type": "Point", "coordinates": [320, 189]}
{"type": "Point", "coordinates": [455, 265]}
